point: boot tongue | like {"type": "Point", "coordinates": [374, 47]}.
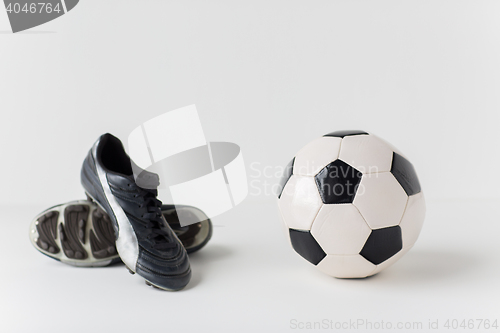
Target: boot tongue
{"type": "Point", "coordinates": [147, 180]}
{"type": "Point", "coordinates": [144, 178]}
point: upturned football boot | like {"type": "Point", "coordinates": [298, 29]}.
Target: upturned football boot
{"type": "Point", "coordinates": [79, 233]}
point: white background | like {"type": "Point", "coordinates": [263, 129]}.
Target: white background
{"type": "Point", "coordinates": [269, 76]}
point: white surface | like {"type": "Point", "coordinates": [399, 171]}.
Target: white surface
{"type": "Point", "coordinates": [174, 132]}
{"type": "Point", "coordinates": [236, 175]}
{"type": "Point", "coordinates": [270, 76]}
{"type": "Point", "coordinates": [209, 193]}
{"type": "Point", "coordinates": [316, 155]}
{"type": "Point", "coordinates": [248, 279]}
{"type": "Point", "coordinates": [138, 148]}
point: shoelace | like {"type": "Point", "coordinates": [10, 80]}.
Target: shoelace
{"type": "Point", "coordinates": [154, 220]}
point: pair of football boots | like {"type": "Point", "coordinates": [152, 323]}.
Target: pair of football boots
{"type": "Point", "coordinates": [122, 220]}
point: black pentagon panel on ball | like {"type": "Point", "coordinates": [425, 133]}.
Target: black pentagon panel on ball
{"type": "Point", "coordinates": [304, 244]}
{"type": "Point", "coordinates": [287, 173]}
{"type": "Point", "coordinates": [341, 134]}
{"type": "Point", "coordinates": [405, 174]}
{"type": "Point", "coordinates": [338, 182]}
{"type": "Point", "coordinates": [382, 244]}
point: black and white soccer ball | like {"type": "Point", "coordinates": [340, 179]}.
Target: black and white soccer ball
{"type": "Point", "coordinates": [351, 204]}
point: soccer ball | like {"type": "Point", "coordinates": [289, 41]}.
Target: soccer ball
{"type": "Point", "coordinates": [351, 204]}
